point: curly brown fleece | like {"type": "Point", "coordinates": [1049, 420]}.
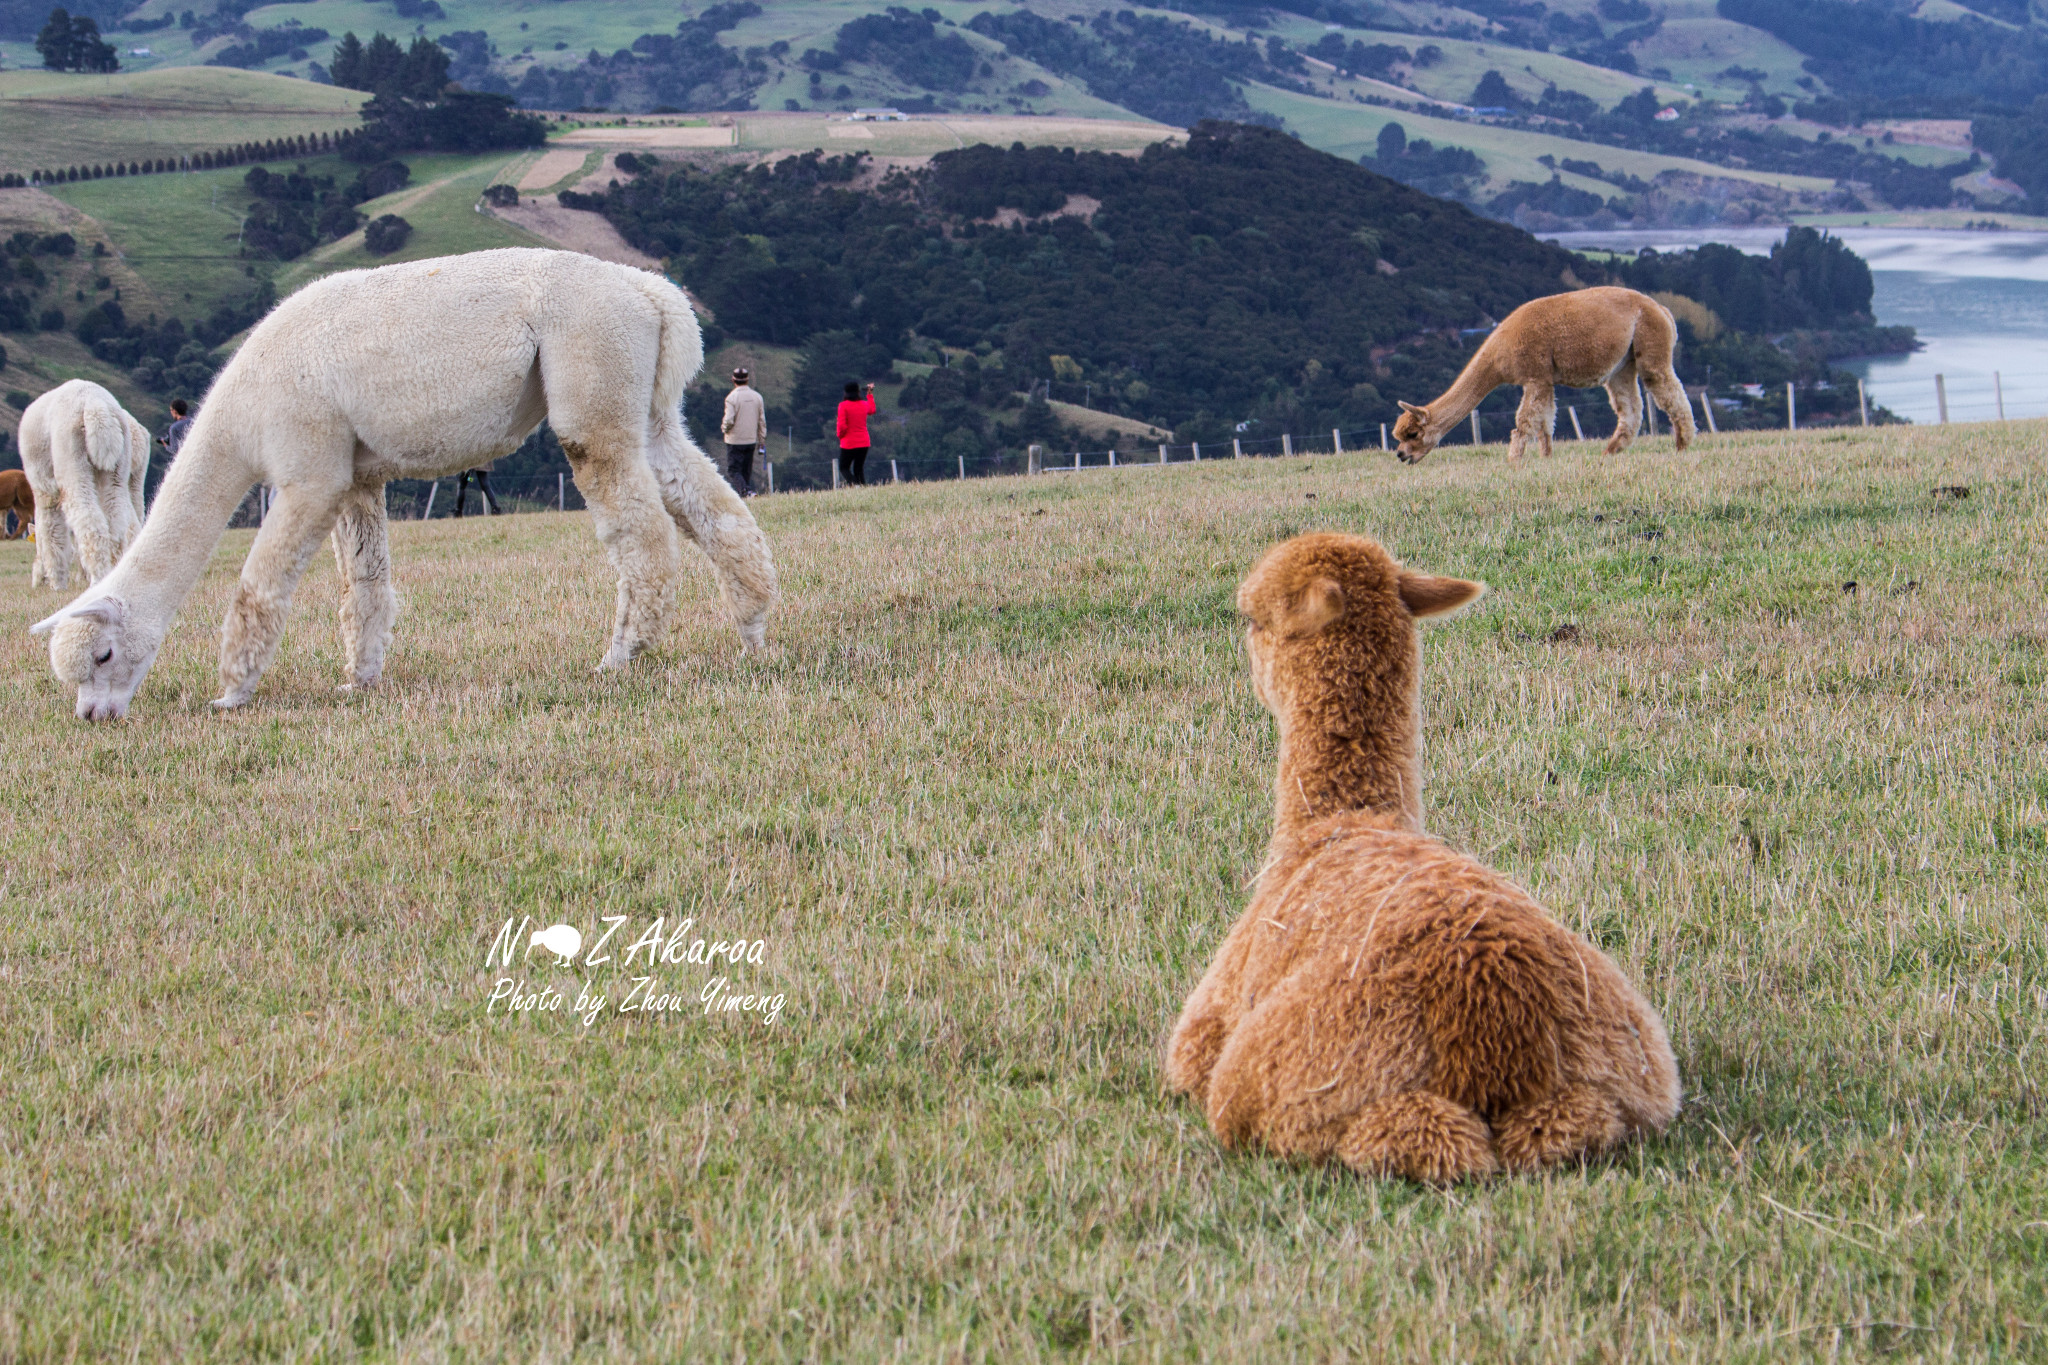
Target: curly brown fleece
{"type": "Point", "coordinates": [1386, 1000]}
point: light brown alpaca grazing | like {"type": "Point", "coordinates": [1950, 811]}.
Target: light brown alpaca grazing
{"type": "Point", "coordinates": [1385, 1000]}
{"type": "Point", "coordinates": [1601, 336]}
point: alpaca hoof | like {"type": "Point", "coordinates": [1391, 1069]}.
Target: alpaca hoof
{"type": "Point", "coordinates": [230, 702]}
{"type": "Point", "coordinates": [616, 660]}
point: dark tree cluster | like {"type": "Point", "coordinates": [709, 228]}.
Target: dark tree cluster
{"type": "Point", "coordinates": [1161, 68]}
{"type": "Point", "coordinates": [296, 211]}
{"type": "Point", "coordinates": [1810, 280]}
{"type": "Point", "coordinates": [169, 357]}
{"type": "Point", "coordinates": [72, 42]}
{"type": "Point", "coordinates": [289, 39]}
{"type": "Point", "coordinates": [382, 67]}
{"type": "Point", "coordinates": [910, 46]}
{"type": "Point", "coordinates": [689, 69]}
{"type": "Point", "coordinates": [1881, 60]}
{"type": "Point", "coordinates": [1360, 59]}
{"type": "Point", "coordinates": [2018, 144]}
{"type": "Point", "coordinates": [1447, 172]}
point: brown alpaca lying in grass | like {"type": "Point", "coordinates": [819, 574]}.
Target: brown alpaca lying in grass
{"type": "Point", "coordinates": [1385, 1000]}
{"type": "Point", "coordinates": [1602, 336]}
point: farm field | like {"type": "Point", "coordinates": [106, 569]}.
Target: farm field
{"type": "Point", "coordinates": [50, 121]}
{"type": "Point", "coordinates": [991, 809]}
{"type": "Point", "coordinates": [1351, 130]}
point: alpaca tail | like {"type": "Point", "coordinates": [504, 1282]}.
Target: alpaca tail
{"type": "Point", "coordinates": [682, 345]}
{"type": "Point", "coordinates": [106, 437]}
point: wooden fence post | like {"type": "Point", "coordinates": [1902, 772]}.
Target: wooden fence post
{"type": "Point", "coordinates": [1236, 449]}
{"type": "Point", "coordinates": [894, 477]}
{"type": "Point", "coordinates": [432, 488]}
{"type": "Point", "coordinates": [1941, 396]}
{"type": "Point", "coordinates": [1862, 403]}
{"type": "Point", "coordinates": [835, 473]}
{"type": "Point", "coordinates": [1791, 408]}
{"type": "Point", "coordinates": [1475, 427]}
{"type": "Point", "coordinates": [1998, 388]}
{"type": "Point", "coordinates": [1034, 460]}
{"type": "Point", "coordinates": [1286, 443]}
{"type": "Point", "coordinates": [1162, 454]}
{"type": "Point", "coordinates": [1196, 446]}
{"type": "Point", "coordinates": [1112, 457]}
{"type": "Point", "coordinates": [561, 493]}
{"type": "Point", "coordinates": [1336, 440]}
{"type": "Point", "coordinates": [1077, 459]}
{"type": "Point", "coordinates": [963, 466]}
{"type": "Point", "coordinates": [1383, 436]}
{"type": "Point", "coordinates": [1707, 410]}
{"type": "Point", "coordinates": [771, 476]}
{"type": "Point", "coordinates": [1577, 430]}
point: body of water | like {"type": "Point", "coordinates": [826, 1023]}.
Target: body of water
{"type": "Point", "coordinates": [1979, 301]}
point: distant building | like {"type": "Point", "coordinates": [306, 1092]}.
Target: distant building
{"type": "Point", "coordinates": [878, 116]}
{"type": "Point", "coordinates": [1666, 115]}
{"type": "Point", "coordinates": [140, 52]}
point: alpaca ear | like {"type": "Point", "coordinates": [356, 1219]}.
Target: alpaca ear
{"type": "Point", "coordinates": [1407, 406]}
{"type": "Point", "coordinates": [1427, 595]}
{"type": "Point", "coordinates": [1318, 604]}
{"type": "Point", "coordinates": [106, 611]}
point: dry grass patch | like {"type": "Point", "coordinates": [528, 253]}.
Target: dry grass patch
{"type": "Point", "coordinates": [991, 809]}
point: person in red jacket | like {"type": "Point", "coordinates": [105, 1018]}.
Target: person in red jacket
{"type": "Point", "coordinates": [853, 433]}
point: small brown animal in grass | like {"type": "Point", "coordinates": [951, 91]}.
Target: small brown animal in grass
{"type": "Point", "coordinates": [18, 498]}
{"type": "Point", "coordinates": [1385, 1000]}
{"type": "Point", "coordinates": [1604, 336]}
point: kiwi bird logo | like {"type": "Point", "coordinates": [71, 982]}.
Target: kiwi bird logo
{"type": "Point", "coordinates": [562, 940]}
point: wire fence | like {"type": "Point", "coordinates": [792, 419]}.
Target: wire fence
{"type": "Point", "coordinates": [1968, 398]}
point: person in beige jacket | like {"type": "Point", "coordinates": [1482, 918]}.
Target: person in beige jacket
{"type": "Point", "coordinates": [745, 430]}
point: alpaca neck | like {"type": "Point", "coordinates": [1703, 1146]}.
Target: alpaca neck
{"type": "Point", "coordinates": [206, 484]}
{"type": "Point", "coordinates": [1479, 378]}
{"type": "Point", "coordinates": [1323, 774]}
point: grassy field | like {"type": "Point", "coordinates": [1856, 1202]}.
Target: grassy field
{"type": "Point", "coordinates": [1352, 130]}
{"type": "Point", "coordinates": [48, 121]}
{"type": "Point", "coordinates": [991, 810]}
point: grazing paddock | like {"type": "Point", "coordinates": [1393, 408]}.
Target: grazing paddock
{"type": "Point", "coordinates": [990, 811]}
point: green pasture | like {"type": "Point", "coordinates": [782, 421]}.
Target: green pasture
{"type": "Point", "coordinates": [989, 811]}
{"type": "Point", "coordinates": [50, 121]}
{"type": "Point", "coordinates": [1352, 130]}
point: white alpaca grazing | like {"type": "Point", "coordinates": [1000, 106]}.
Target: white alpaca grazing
{"type": "Point", "coordinates": [86, 459]}
{"type": "Point", "coordinates": [410, 372]}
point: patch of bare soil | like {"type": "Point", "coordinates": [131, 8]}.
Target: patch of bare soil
{"type": "Point", "coordinates": [576, 230]}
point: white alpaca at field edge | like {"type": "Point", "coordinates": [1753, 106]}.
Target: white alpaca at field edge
{"type": "Point", "coordinates": [411, 372]}
{"type": "Point", "coordinates": [86, 460]}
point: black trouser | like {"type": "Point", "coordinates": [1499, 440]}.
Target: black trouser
{"type": "Point", "coordinates": [853, 464]}
{"type": "Point", "coordinates": [483, 486]}
{"type": "Point", "coordinates": [739, 468]}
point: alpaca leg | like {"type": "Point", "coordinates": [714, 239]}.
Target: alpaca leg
{"type": "Point", "coordinates": [1569, 1123]}
{"type": "Point", "coordinates": [1628, 408]}
{"type": "Point", "coordinates": [299, 517]}
{"type": "Point", "coordinates": [710, 513]}
{"type": "Point", "coordinates": [1670, 396]}
{"type": "Point", "coordinates": [1419, 1135]}
{"type": "Point", "coordinates": [1533, 420]}
{"type": "Point", "coordinates": [53, 548]}
{"type": "Point", "coordinates": [369, 604]}
{"type": "Point", "coordinates": [637, 534]}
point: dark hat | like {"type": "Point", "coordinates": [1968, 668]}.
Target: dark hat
{"type": "Point", "coordinates": [740, 376]}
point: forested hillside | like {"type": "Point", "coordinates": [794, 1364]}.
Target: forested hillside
{"type": "Point", "coordinates": [1240, 283]}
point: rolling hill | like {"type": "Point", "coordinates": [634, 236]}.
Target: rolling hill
{"type": "Point", "coordinates": [1553, 81]}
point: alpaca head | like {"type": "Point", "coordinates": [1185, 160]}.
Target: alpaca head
{"type": "Point", "coordinates": [1333, 655]}
{"type": "Point", "coordinates": [93, 649]}
{"type": "Point", "coordinates": [1411, 431]}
